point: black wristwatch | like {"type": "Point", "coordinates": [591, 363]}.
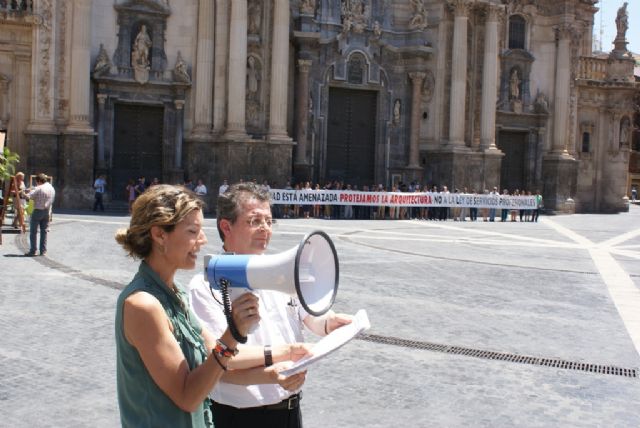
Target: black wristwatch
{"type": "Point", "coordinates": [268, 358]}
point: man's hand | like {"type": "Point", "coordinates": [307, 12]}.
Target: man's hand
{"type": "Point", "coordinates": [290, 383]}
{"type": "Point", "coordinates": [335, 321]}
{"type": "Point", "coordinates": [245, 312]}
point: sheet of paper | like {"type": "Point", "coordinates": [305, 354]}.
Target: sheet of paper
{"type": "Point", "coordinates": [332, 342]}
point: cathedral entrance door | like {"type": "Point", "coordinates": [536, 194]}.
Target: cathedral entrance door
{"type": "Point", "coordinates": [350, 155]}
{"type": "Point", "coordinates": [137, 147]}
{"type": "Point", "coordinates": [513, 171]}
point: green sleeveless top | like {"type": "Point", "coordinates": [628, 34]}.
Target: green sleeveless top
{"type": "Point", "coordinates": [142, 402]}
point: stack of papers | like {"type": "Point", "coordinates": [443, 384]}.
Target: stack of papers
{"type": "Point", "coordinates": [332, 342]}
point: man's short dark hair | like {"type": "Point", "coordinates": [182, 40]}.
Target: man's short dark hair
{"type": "Point", "coordinates": [41, 178]}
{"type": "Point", "coordinates": [229, 202]}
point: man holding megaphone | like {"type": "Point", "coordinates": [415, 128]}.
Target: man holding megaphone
{"type": "Point", "coordinates": [272, 400]}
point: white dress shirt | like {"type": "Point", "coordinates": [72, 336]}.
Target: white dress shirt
{"type": "Point", "coordinates": [280, 323]}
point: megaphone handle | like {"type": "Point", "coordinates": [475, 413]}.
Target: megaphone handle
{"type": "Point", "coordinates": [226, 301]}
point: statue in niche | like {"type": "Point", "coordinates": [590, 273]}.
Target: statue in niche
{"type": "Point", "coordinates": [253, 78]}
{"type": "Point", "coordinates": [307, 7]}
{"type": "Point", "coordinates": [419, 19]}
{"type": "Point", "coordinates": [255, 14]}
{"type": "Point", "coordinates": [428, 85]}
{"type": "Point", "coordinates": [140, 55]}
{"type": "Point", "coordinates": [624, 132]}
{"type": "Point", "coordinates": [355, 15]}
{"type": "Point", "coordinates": [396, 112]}
{"type": "Point", "coordinates": [622, 22]}
{"type": "Point", "coordinates": [103, 63]}
{"type": "Point", "coordinates": [514, 85]}
{"type": "Point", "coordinates": [180, 73]}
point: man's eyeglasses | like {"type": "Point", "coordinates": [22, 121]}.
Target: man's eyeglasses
{"type": "Point", "coordinates": [256, 222]}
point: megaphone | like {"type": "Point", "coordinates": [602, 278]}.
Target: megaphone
{"type": "Point", "coordinates": [308, 270]}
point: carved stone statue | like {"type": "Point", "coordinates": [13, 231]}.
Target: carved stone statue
{"type": "Point", "coordinates": [180, 73]}
{"type": "Point", "coordinates": [253, 78]}
{"type": "Point", "coordinates": [541, 105]}
{"type": "Point", "coordinates": [140, 55]}
{"type": "Point", "coordinates": [622, 22]}
{"type": "Point", "coordinates": [377, 30]}
{"type": "Point", "coordinates": [255, 15]}
{"type": "Point", "coordinates": [103, 63]}
{"type": "Point", "coordinates": [396, 112]}
{"type": "Point", "coordinates": [624, 131]}
{"type": "Point", "coordinates": [419, 19]}
{"type": "Point", "coordinates": [307, 7]}
{"type": "Point", "coordinates": [514, 85]}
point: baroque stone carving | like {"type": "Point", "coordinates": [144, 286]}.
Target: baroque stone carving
{"type": "Point", "coordinates": [514, 85]}
{"type": "Point", "coordinates": [428, 86]}
{"type": "Point", "coordinates": [44, 79]}
{"type": "Point", "coordinates": [180, 72]}
{"type": "Point", "coordinates": [397, 106]}
{"type": "Point", "coordinates": [419, 19]}
{"type": "Point", "coordinates": [103, 63]}
{"type": "Point", "coordinates": [355, 15]}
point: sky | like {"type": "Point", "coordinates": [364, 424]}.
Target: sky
{"type": "Point", "coordinates": [608, 11]}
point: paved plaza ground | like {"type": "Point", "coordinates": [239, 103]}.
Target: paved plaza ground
{"type": "Point", "coordinates": [460, 303]}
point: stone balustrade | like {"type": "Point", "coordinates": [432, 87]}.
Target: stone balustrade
{"type": "Point", "coordinates": [591, 68]}
{"type": "Point", "coordinates": [16, 7]}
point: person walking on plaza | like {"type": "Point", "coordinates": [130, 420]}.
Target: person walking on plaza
{"type": "Point", "coordinates": [99, 186]}
{"type": "Point", "coordinates": [43, 196]}
{"type": "Point", "coordinates": [166, 362]}
{"type": "Point", "coordinates": [131, 194]}
{"type": "Point", "coordinates": [245, 226]}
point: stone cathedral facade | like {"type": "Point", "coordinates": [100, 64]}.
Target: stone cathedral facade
{"type": "Point", "coordinates": [464, 93]}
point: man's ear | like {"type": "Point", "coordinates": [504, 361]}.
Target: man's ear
{"type": "Point", "coordinates": [225, 227]}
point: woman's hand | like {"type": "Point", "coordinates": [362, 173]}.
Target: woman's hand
{"type": "Point", "coordinates": [245, 312]}
{"type": "Point", "coordinates": [290, 383]}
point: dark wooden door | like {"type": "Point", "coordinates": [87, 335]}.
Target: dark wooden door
{"type": "Point", "coordinates": [350, 155]}
{"type": "Point", "coordinates": [513, 170]}
{"type": "Point", "coordinates": [137, 145]}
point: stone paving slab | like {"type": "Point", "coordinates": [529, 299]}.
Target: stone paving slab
{"type": "Point", "coordinates": [519, 288]}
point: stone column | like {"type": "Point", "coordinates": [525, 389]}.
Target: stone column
{"type": "Point", "coordinates": [102, 99]}
{"type": "Point", "coordinates": [458, 73]}
{"type": "Point", "coordinates": [236, 79]}
{"type": "Point", "coordinates": [302, 111]}
{"type": "Point", "coordinates": [204, 69]}
{"type": "Point", "coordinates": [414, 134]}
{"type": "Point", "coordinates": [489, 81]}
{"type": "Point", "coordinates": [179, 104]}
{"type": "Point", "coordinates": [221, 52]}
{"type": "Point", "coordinates": [279, 72]}
{"type": "Point", "coordinates": [562, 87]}
{"type": "Point", "coordinates": [80, 95]}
